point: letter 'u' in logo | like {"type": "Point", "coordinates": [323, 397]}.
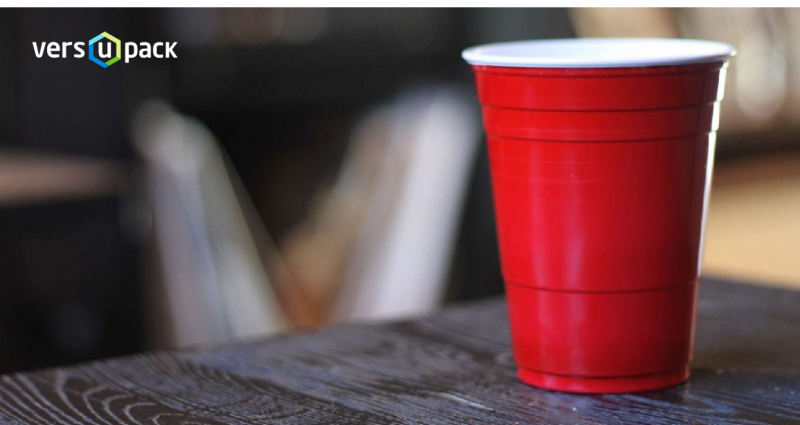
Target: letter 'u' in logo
{"type": "Point", "coordinates": [112, 60]}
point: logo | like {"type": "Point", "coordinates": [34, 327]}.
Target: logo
{"type": "Point", "coordinates": [98, 38]}
{"type": "Point", "coordinates": [106, 50]}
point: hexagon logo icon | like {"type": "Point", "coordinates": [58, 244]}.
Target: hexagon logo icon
{"type": "Point", "coordinates": [110, 61]}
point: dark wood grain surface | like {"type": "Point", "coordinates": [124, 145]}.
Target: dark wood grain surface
{"type": "Point", "coordinates": [451, 368]}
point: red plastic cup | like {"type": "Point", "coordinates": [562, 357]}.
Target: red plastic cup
{"type": "Point", "coordinates": [601, 153]}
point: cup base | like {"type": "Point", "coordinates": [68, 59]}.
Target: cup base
{"type": "Point", "coordinates": [589, 385]}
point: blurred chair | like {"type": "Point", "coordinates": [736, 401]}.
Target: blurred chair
{"type": "Point", "coordinates": [214, 285]}
{"type": "Point", "coordinates": [403, 254]}
{"type": "Point", "coordinates": [379, 243]}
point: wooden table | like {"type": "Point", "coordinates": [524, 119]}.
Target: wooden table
{"type": "Point", "coordinates": [452, 368]}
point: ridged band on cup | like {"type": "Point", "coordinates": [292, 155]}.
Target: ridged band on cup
{"type": "Point", "coordinates": [603, 89]}
{"type": "Point", "coordinates": [601, 126]}
{"type": "Point", "coordinates": [602, 335]}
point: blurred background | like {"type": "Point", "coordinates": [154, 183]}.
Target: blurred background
{"type": "Point", "coordinates": [299, 167]}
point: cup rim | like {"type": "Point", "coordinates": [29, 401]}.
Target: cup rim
{"type": "Point", "coordinates": [598, 53]}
